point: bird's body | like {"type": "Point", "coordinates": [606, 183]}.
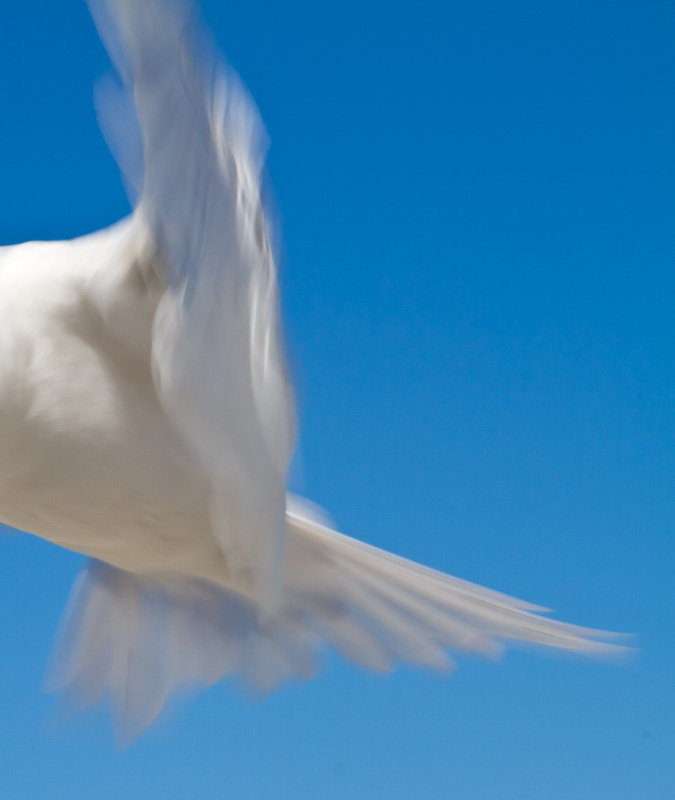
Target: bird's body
{"type": "Point", "coordinates": [147, 421]}
{"type": "Point", "coordinates": [89, 459]}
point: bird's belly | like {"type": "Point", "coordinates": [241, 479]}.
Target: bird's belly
{"type": "Point", "coordinates": [89, 460]}
{"type": "Point", "coordinates": [127, 502]}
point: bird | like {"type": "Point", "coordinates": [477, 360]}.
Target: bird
{"type": "Point", "coordinates": [148, 421]}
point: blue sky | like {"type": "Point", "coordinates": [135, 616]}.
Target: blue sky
{"type": "Point", "coordinates": [478, 221]}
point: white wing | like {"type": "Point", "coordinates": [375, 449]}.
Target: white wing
{"type": "Point", "coordinates": [217, 344]}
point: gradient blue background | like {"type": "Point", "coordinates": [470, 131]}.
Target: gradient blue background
{"type": "Point", "coordinates": [478, 210]}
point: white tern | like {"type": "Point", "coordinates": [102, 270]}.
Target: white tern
{"type": "Point", "coordinates": [148, 421]}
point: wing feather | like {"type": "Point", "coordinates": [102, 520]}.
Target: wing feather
{"type": "Point", "coordinates": [217, 346]}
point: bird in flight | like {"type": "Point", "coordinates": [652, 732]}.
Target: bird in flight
{"type": "Point", "coordinates": [148, 421]}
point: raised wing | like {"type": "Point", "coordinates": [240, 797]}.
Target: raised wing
{"type": "Point", "coordinates": [194, 152]}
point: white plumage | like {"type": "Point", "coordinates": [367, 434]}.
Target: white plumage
{"type": "Point", "coordinates": [148, 421]}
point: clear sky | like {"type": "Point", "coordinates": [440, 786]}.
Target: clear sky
{"type": "Point", "coordinates": [478, 211]}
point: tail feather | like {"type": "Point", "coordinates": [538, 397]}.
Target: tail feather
{"type": "Point", "coordinates": [396, 599]}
